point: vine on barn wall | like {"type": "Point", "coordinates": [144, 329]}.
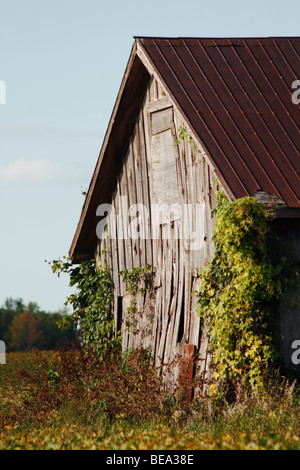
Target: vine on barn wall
{"type": "Point", "coordinates": [137, 279]}
{"type": "Point", "coordinates": [240, 294]}
{"type": "Point", "coordinates": [91, 302]}
{"type": "Point", "coordinates": [241, 291]}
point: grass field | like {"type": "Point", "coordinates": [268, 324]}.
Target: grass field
{"type": "Point", "coordinates": [69, 401]}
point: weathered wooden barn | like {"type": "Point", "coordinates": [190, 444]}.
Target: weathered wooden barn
{"type": "Point", "coordinates": [234, 99]}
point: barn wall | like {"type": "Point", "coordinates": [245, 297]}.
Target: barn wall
{"type": "Point", "coordinates": [157, 171]}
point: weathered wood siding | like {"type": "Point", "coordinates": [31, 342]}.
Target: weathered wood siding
{"type": "Point", "coordinates": [157, 171]}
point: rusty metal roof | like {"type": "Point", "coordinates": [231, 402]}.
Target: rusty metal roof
{"type": "Point", "coordinates": [236, 94]}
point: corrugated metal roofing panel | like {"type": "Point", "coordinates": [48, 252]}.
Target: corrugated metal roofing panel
{"type": "Point", "coordinates": [236, 94]}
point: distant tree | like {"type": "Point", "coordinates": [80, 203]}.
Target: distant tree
{"type": "Point", "coordinates": [25, 332]}
{"type": "Point", "coordinates": [42, 327]}
{"type": "Point", "coordinates": [8, 311]}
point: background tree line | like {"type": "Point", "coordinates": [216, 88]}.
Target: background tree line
{"type": "Point", "coordinates": [24, 327]}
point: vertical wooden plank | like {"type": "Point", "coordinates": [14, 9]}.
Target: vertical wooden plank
{"type": "Point", "coordinates": [191, 168]}
{"type": "Point", "coordinates": [145, 186]}
{"type": "Point", "coordinates": [166, 281]}
{"type": "Point", "coordinates": [115, 260]}
{"type": "Point", "coordinates": [157, 325]}
{"type": "Point", "coordinates": [142, 214]}
{"type": "Point", "coordinates": [155, 247]}
{"type": "Point", "coordinates": [125, 333]}
{"type": "Point", "coordinates": [112, 234]}
{"type": "Point", "coordinates": [195, 324]}
{"type": "Point", "coordinates": [124, 208]}
{"type": "Point", "coordinates": [187, 304]}
{"type": "Point", "coordinates": [160, 92]}
{"type": "Point", "coordinates": [153, 90]}
{"type": "Point", "coordinates": [133, 244]}
{"type": "Point", "coordinates": [120, 240]}
{"type": "Point", "coordinates": [106, 250]}
{"type": "Point", "coordinates": [171, 297]}
{"type": "Point", "coordinates": [159, 289]}
{"type": "Point", "coordinates": [203, 373]}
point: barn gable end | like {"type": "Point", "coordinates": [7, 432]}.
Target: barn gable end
{"type": "Point", "coordinates": [158, 172]}
{"type": "Point", "coordinates": [242, 142]}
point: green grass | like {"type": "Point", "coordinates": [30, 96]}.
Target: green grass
{"type": "Point", "coordinates": [68, 400]}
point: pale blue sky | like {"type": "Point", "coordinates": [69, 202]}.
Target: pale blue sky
{"type": "Point", "coordinates": [62, 63]}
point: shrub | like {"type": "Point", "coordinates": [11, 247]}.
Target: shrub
{"type": "Point", "coordinates": [240, 294]}
{"type": "Point", "coordinates": [91, 302]}
{"type": "Point", "coordinates": [117, 387]}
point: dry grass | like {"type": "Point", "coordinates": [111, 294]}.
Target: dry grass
{"type": "Point", "coordinates": [70, 400]}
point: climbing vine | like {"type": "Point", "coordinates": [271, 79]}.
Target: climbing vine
{"type": "Point", "coordinates": [240, 294]}
{"type": "Point", "coordinates": [137, 279]}
{"type": "Point", "coordinates": [91, 303]}
{"type": "Point", "coordinates": [92, 300]}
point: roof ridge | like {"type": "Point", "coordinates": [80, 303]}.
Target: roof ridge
{"type": "Point", "coordinates": [216, 37]}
